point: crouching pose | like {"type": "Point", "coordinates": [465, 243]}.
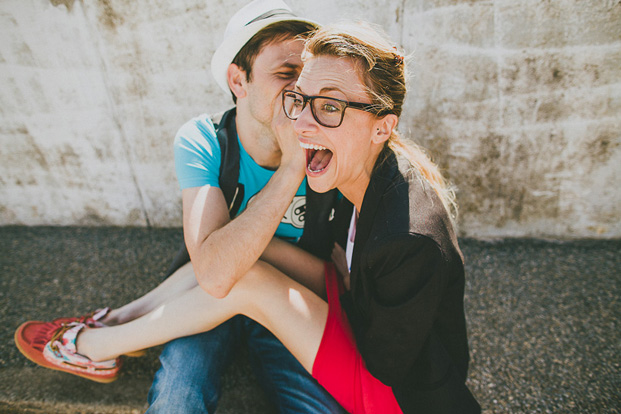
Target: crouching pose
{"type": "Point", "coordinates": [386, 332]}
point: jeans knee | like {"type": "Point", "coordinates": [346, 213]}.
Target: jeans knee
{"type": "Point", "coordinates": [188, 380]}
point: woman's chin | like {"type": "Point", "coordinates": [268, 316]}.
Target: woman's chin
{"type": "Point", "coordinates": [319, 184]}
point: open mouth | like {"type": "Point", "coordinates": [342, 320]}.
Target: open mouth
{"type": "Point", "coordinates": [317, 158]}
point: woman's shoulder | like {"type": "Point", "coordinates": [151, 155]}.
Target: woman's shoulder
{"type": "Point", "coordinates": [410, 205]}
{"type": "Point", "coordinates": [410, 212]}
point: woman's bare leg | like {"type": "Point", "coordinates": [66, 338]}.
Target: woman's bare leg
{"type": "Point", "coordinates": [176, 284]}
{"type": "Point", "coordinates": [292, 312]}
{"type": "Point", "coordinates": [293, 261]}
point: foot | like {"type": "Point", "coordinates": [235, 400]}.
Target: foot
{"type": "Point", "coordinates": [52, 345]}
{"type": "Point", "coordinates": [97, 319]}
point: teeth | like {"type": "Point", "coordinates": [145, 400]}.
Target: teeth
{"type": "Point", "coordinates": [311, 146]}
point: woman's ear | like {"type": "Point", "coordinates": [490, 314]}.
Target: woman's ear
{"type": "Point", "coordinates": [384, 127]}
{"type": "Point", "coordinates": [236, 78]}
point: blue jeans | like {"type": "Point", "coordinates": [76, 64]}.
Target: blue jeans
{"type": "Point", "coordinates": [189, 380]}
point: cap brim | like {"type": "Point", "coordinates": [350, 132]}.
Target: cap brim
{"type": "Point", "coordinates": [231, 45]}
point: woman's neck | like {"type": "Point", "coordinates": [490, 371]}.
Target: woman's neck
{"type": "Point", "coordinates": [355, 194]}
{"type": "Point", "coordinates": [355, 189]}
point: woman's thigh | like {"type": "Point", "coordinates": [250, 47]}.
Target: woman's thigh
{"type": "Point", "coordinates": [293, 313]}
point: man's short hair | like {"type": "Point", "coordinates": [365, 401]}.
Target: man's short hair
{"type": "Point", "coordinates": [273, 33]}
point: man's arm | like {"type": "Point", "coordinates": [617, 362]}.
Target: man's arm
{"type": "Point", "coordinates": [222, 251]}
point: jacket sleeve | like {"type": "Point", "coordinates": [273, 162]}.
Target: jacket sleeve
{"type": "Point", "coordinates": [407, 278]}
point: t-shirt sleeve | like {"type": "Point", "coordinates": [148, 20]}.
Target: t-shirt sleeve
{"type": "Point", "coordinates": [197, 154]}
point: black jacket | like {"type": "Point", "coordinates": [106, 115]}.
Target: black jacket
{"type": "Point", "coordinates": [407, 286]}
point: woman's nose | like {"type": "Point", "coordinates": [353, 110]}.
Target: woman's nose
{"type": "Point", "coordinates": [305, 122]}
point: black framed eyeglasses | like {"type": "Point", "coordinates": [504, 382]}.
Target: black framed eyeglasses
{"type": "Point", "coordinates": [327, 111]}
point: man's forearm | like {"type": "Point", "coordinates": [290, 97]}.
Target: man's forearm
{"type": "Point", "coordinates": [226, 254]}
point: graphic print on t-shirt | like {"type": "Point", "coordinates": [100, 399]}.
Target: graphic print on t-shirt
{"type": "Point", "coordinates": [197, 163]}
{"type": "Point", "coordinates": [295, 212]}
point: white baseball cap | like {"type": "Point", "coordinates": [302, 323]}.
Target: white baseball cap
{"type": "Point", "coordinates": [244, 24]}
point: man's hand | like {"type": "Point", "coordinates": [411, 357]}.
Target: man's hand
{"type": "Point", "coordinates": [223, 251]}
{"type": "Point", "coordinates": [293, 156]}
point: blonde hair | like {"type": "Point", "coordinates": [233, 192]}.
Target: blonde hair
{"type": "Point", "coordinates": [384, 72]}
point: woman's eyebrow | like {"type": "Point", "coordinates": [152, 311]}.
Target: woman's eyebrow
{"type": "Point", "coordinates": [331, 89]}
{"type": "Point", "coordinates": [322, 91]}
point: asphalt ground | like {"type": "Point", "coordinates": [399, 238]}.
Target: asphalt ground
{"type": "Point", "coordinates": [543, 320]}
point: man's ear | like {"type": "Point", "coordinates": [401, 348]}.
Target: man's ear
{"type": "Point", "coordinates": [384, 127]}
{"type": "Point", "coordinates": [236, 78]}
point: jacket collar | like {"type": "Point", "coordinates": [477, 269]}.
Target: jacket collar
{"type": "Point", "coordinates": [383, 173]}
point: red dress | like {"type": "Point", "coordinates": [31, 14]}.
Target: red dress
{"type": "Point", "coordinates": [339, 367]}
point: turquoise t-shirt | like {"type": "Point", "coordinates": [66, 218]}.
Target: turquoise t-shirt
{"type": "Point", "coordinates": [197, 163]}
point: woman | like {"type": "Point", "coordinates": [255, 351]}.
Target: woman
{"type": "Point", "coordinates": [392, 337]}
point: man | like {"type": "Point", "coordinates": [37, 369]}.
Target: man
{"type": "Point", "coordinates": [258, 58]}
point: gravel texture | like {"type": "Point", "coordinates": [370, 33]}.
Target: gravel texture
{"type": "Point", "coordinates": [543, 320]}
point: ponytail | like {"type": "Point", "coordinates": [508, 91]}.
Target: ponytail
{"type": "Point", "coordinates": [428, 170]}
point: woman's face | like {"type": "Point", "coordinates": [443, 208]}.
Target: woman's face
{"type": "Point", "coordinates": [341, 157]}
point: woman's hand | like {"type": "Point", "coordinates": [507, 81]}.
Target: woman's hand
{"type": "Point", "coordinates": [340, 263]}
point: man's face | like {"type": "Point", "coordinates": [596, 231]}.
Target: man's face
{"type": "Point", "coordinates": [275, 68]}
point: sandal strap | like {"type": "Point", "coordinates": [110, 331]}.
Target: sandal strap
{"type": "Point", "coordinates": [66, 335]}
{"type": "Point", "coordinates": [94, 317]}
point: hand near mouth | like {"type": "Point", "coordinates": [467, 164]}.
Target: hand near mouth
{"type": "Point", "coordinates": [293, 156]}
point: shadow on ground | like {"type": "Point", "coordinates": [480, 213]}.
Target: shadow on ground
{"type": "Point", "coordinates": [543, 320]}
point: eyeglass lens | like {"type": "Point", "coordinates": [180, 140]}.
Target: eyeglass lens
{"type": "Point", "coordinates": [328, 112]}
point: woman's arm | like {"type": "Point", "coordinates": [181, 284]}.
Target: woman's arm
{"type": "Point", "coordinates": [407, 277]}
{"type": "Point", "coordinates": [296, 263]}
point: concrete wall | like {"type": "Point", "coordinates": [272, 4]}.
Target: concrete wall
{"type": "Point", "coordinates": [518, 100]}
